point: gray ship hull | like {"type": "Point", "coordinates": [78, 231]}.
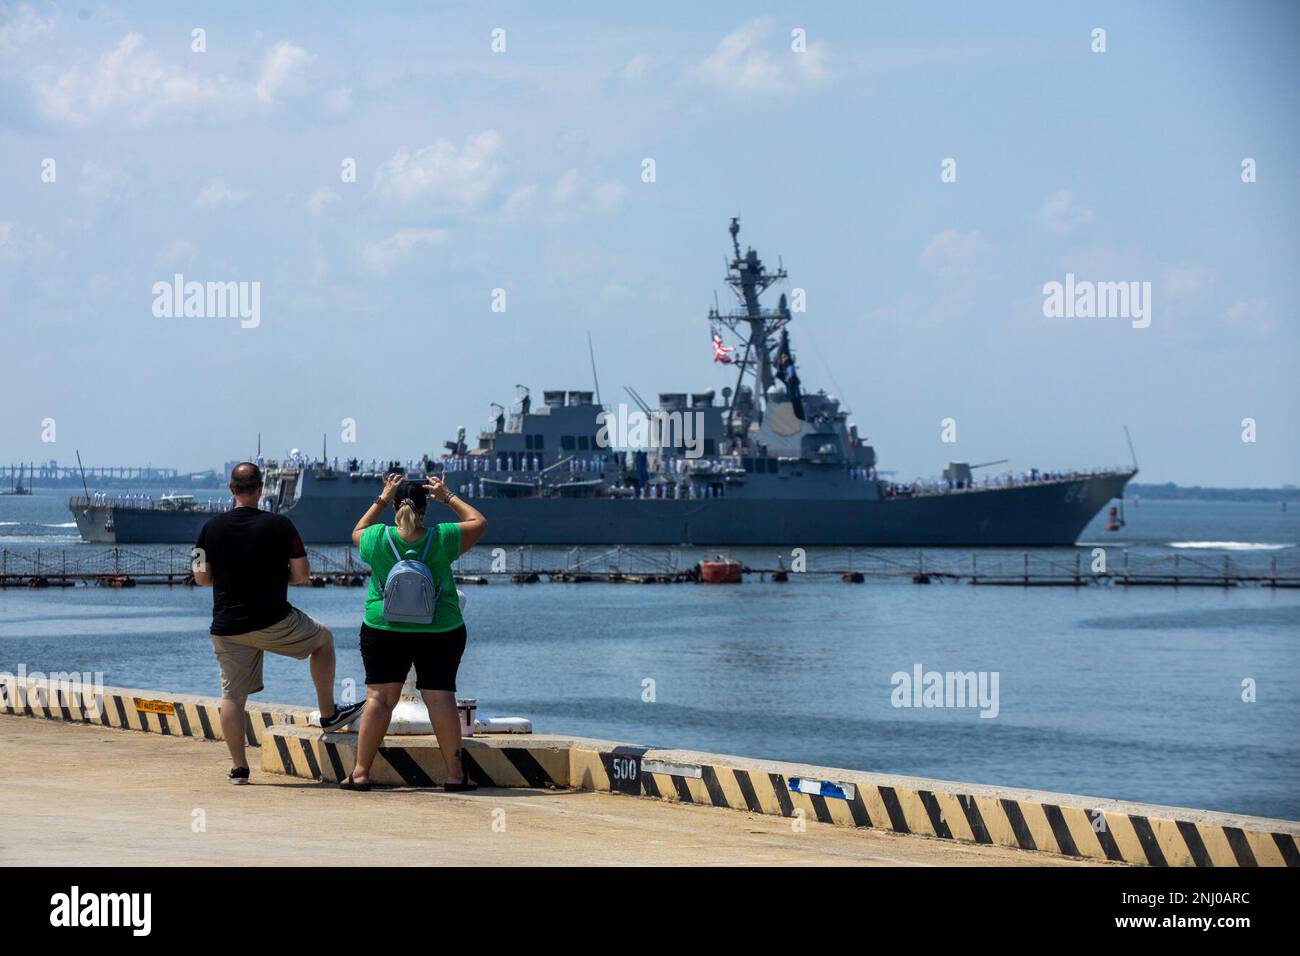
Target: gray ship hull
{"type": "Point", "coordinates": [123, 524]}
{"type": "Point", "coordinates": [1033, 514]}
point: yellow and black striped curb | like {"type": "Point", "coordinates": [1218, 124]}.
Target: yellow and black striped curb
{"type": "Point", "coordinates": [1063, 824]}
{"type": "Point", "coordinates": [178, 715]}
{"type": "Point", "coordinates": [507, 760]}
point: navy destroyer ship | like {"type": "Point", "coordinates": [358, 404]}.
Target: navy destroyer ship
{"type": "Point", "coordinates": [765, 462]}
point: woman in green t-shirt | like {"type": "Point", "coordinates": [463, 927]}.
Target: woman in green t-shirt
{"type": "Point", "coordinates": [390, 649]}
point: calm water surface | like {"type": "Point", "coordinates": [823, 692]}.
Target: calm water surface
{"type": "Point", "coordinates": [1131, 694]}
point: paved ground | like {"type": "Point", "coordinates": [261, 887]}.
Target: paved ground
{"type": "Point", "coordinates": [75, 795]}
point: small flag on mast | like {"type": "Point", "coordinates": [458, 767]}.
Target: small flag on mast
{"type": "Point", "coordinates": [786, 373]}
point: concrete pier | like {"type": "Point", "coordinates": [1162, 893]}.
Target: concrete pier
{"type": "Point", "coordinates": [58, 770]}
{"type": "Point", "coordinates": [89, 796]}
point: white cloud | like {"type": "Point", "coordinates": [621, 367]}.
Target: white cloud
{"type": "Point", "coordinates": [127, 79]}
{"type": "Point", "coordinates": [385, 255]}
{"type": "Point", "coordinates": [132, 84]}
{"type": "Point", "coordinates": [217, 193]}
{"type": "Point", "coordinates": [471, 181]}
{"type": "Point", "coordinates": [570, 197]}
{"type": "Point", "coordinates": [737, 65]}
{"type": "Point", "coordinates": [442, 175]}
{"type": "Point", "coordinates": [21, 29]}
{"type": "Point", "coordinates": [175, 252]}
{"type": "Point", "coordinates": [956, 255]}
{"type": "Point", "coordinates": [29, 247]}
{"type": "Point", "coordinates": [320, 200]}
{"type": "Point", "coordinates": [1060, 214]}
{"type": "Point", "coordinates": [279, 70]}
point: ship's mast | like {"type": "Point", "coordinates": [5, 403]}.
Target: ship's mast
{"type": "Point", "coordinates": [757, 327]}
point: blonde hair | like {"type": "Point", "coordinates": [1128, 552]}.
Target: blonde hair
{"type": "Point", "coordinates": [409, 521]}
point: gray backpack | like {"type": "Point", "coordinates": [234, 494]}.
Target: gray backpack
{"type": "Point", "coordinates": [410, 592]}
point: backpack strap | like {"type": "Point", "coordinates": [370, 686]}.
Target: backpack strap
{"type": "Point", "coordinates": [423, 554]}
{"type": "Point", "coordinates": [396, 554]}
{"type": "Point", "coordinates": [389, 538]}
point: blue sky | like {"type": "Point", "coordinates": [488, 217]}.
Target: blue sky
{"type": "Point", "coordinates": [522, 170]}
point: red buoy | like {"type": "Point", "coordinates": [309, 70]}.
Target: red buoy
{"type": "Point", "coordinates": [1113, 523]}
{"type": "Point", "coordinates": [720, 572]}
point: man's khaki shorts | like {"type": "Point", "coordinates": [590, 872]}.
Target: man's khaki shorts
{"type": "Point", "coordinates": [240, 655]}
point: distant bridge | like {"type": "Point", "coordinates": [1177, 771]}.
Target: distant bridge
{"type": "Point", "coordinates": [52, 471]}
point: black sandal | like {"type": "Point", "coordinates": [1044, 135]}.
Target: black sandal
{"type": "Point", "coordinates": [466, 785]}
{"type": "Point", "coordinates": [347, 783]}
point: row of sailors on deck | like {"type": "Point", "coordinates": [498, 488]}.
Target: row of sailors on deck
{"type": "Point", "coordinates": [674, 490]}
{"type": "Point", "coordinates": [130, 500]}
{"type": "Point", "coordinates": [531, 462]}
{"type": "Point", "coordinates": [528, 462]}
{"type": "Point", "coordinates": [1006, 480]}
{"type": "Point", "coordinates": [146, 501]}
{"type": "Point", "coordinates": [716, 466]}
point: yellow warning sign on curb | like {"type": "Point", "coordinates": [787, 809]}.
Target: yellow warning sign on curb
{"type": "Point", "coordinates": [155, 707]}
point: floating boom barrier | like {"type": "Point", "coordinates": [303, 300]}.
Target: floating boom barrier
{"type": "Point", "coordinates": [127, 568]}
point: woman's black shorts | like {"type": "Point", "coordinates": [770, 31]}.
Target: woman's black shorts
{"type": "Point", "coordinates": [388, 656]}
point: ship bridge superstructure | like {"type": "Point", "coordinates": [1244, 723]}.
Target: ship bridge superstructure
{"type": "Point", "coordinates": [766, 436]}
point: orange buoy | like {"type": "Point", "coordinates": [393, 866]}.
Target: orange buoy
{"type": "Point", "coordinates": [720, 572]}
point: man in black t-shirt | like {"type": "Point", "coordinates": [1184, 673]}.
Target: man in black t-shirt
{"type": "Point", "coordinates": [250, 557]}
